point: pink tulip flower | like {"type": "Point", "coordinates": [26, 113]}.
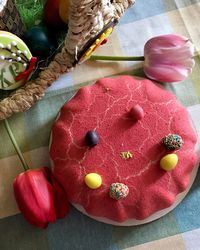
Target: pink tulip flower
{"type": "Point", "coordinates": [168, 58]}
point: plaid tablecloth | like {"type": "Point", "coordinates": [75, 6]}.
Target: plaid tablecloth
{"type": "Point", "coordinates": [178, 230]}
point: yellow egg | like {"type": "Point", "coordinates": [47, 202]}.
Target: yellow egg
{"type": "Point", "coordinates": [169, 162]}
{"type": "Point", "coordinates": [93, 180]}
{"type": "Point", "coordinates": [64, 10]}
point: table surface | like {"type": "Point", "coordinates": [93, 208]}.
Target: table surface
{"type": "Point", "coordinates": [180, 229]}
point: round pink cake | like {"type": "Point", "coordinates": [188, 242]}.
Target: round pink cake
{"type": "Point", "coordinates": [131, 117]}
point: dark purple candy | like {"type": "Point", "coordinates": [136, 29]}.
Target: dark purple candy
{"type": "Point", "coordinates": [91, 138]}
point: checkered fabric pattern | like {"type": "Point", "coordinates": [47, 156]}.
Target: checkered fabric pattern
{"type": "Point", "coordinates": [178, 230]}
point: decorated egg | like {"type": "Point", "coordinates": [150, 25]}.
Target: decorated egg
{"type": "Point", "coordinates": [40, 41]}
{"type": "Point", "coordinates": [172, 142]}
{"type": "Point", "coordinates": [118, 191]}
{"type": "Point", "coordinates": [169, 162]}
{"type": "Point", "coordinates": [93, 180]}
{"type": "Point", "coordinates": [16, 61]}
{"type": "Point", "coordinates": [64, 10]}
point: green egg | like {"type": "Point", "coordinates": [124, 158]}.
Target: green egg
{"type": "Point", "coordinates": [40, 41]}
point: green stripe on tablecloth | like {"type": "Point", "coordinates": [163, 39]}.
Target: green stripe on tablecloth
{"type": "Point", "coordinates": [132, 236]}
{"type": "Point", "coordinates": [17, 123]}
{"type": "Point", "coordinates": [17, 234]}
{"type": "Point", "coordinates": [79, 232]}
{"type": "Point", "coordinates": [74, 232]}
{"type": "Point", "coordinates": [40, 118]}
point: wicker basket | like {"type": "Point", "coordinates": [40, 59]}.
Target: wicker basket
{"type": "Point", "coordinates": [87, 20]}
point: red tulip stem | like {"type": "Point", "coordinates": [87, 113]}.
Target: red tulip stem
{"type": "Point", "coordinates": [117, 58]}
{"type": "Point", "coordinates": [15, 144]}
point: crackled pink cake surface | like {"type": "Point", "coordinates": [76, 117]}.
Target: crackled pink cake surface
{"type": "Point", "coordinates": [105, 107]}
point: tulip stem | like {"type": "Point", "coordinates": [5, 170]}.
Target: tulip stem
{"type": "Point", "coordinates": [117, 58]}
{"type": "Point", "coordinates": [15, 144]}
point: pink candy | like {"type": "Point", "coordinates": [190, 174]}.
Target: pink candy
{"type": "Point", "coordinates": [137, 112]}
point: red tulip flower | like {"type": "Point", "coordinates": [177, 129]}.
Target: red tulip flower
{"type": "Point", "coordinates": [167, 58]}
{"type": "Point", "coordinates": [60, 198]}
{"type": "Point", "coordinates": [39, 196]}
{"type": "Point", "coordinates": [40, 199]}
{"type": "Point", "coordinates": [35, 197]}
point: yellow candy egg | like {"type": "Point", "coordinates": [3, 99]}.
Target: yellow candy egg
{"type": "Point", "coordinates": [93, 180]}
{"type": "Point", "coordinates": [64, 10]}
{"type": "Point", "coordinates": [169, 162]}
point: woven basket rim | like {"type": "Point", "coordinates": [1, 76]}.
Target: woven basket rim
{"type": "Point", "coordinates": [99, 13]}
